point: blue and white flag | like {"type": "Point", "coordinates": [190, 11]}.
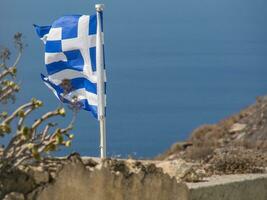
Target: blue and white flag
{"type": "Point", "coordinates": [70, 59]}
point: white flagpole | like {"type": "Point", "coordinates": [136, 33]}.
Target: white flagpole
{"type": "Point", "coordinates": [100, 81]}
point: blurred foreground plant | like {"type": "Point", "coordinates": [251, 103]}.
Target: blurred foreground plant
{"type": "Point", "coordinates": [28, 142]}
{"type": "Point", "coordinates": [8, 86]}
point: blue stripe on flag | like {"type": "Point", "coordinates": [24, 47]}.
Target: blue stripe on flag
{"type": "Point", "coordinates": [92, 52]}
{"type": "Point", "coordinates": [79, 83]}
{"type": "Point", "coordinates": [75, 59]}
{"type": "Point", "coordinates": [69, 25]}
{"type": "Point", "coordinates": [86, 106]}
{"type": "Point", "coordinates": [57, 67]}
{"type": "Point", "coordinates": [53, 46]}
{"type": "Point", "coordinates": [42, 30]}
{"type": "Point", "coordinates": [92, 25]}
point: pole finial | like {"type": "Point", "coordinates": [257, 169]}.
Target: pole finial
{"type": "Point", "coordinates": [99, 7]}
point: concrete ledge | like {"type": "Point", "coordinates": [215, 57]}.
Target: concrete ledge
{"type": "Point", "coordinates": [230, 187]}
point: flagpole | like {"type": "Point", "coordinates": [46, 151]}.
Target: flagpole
{"type": "Point", "coordinates": [100, 81]}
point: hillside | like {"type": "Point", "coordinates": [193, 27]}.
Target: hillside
{"type": "Point", "coordinates": [237, 144]}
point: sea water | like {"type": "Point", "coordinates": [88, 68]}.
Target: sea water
{"type": "Point", "coordinates": [171, 66]}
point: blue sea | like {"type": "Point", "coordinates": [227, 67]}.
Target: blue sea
{"type": "Point", "coordinates": [171, 66]}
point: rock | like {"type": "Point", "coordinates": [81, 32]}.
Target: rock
{"type": "Point", "coordinates": [14, 196]}
{"type": "Point", "coordinates": [240, 136]}
{"type": "Point", "coordinates": [90, 162]}
{"type": "Point", "coordinates": [16, 181]}
{"type": "Point", "coordinates": [237, 127]}
{"type": "Point", "coordinates": [176, 168]}
{"type": "Point", "coordinates": [39, 175]}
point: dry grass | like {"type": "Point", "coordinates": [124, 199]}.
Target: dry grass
{"type": "Point", "coordinates": [199, 153]}
{"type": "Point", "coordinates": [175, 148]}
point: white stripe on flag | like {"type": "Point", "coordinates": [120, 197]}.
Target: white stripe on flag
{"type": "Point", "coordinates": [54, 57]}
{"type": "Point", "coordinates": [55, 34]}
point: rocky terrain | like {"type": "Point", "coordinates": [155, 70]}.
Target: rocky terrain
{"type": "Point", "coordinates": [237, 144]}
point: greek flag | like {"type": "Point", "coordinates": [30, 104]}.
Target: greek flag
{"type": "Point", "coordinates": [70, 59]}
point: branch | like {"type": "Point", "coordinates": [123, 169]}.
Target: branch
{"type": "Point", "coordinates": [6, 94]}
{"type": "Point", "coordinates": [45, 117]}
{"type": "Point", "coordinates": [18, 58]}
{"type": "Point", "coordinates": [21, 120]}
{"type": "Point", "coordinates": [11, 70]}
{"type": "Point", "coordinates": [71, 124]}
{"type": "Point", "coordinates": [15, 113]}
{"type": "Point", "coordinates": [21, 160]}
{"type": "Point", "coordinates": [10, 145]}
{"type": "Point", "coordinates": [46, 130]}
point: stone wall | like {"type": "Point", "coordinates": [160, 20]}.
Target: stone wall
{"type": "Point", "coordinates": [105, 182]}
